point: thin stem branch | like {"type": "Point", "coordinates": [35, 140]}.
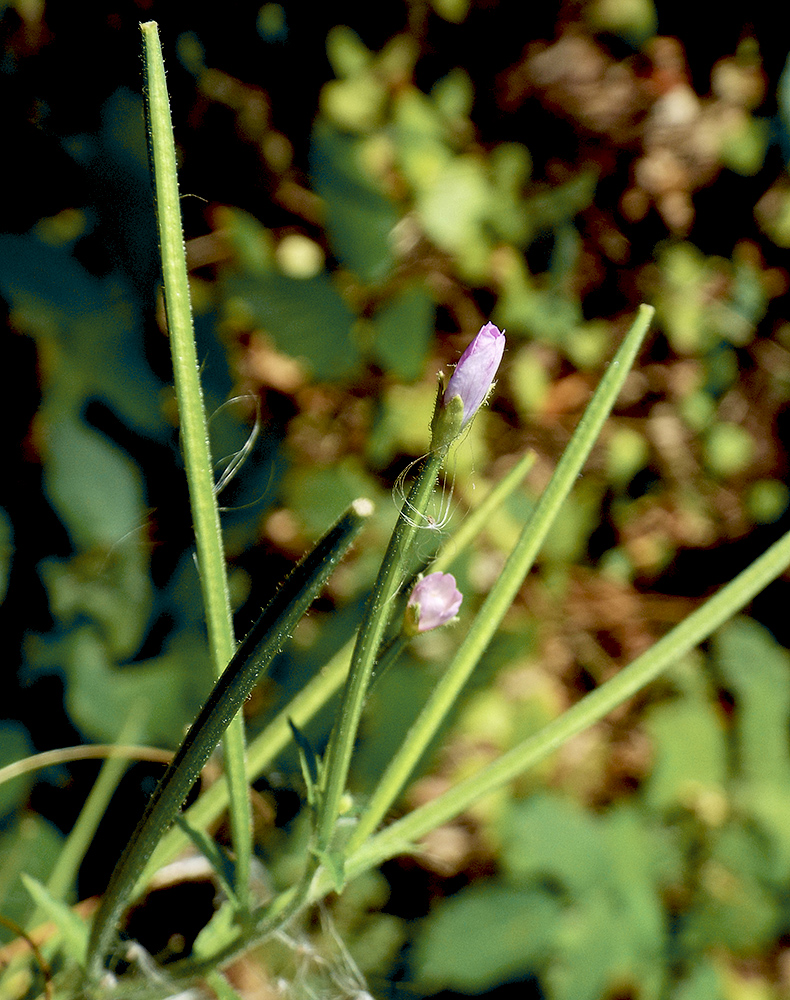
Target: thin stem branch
{"type": "Point", "coordinates": [371, 634]}
{"type": "Point", "coordinates": [506, 587]}
{"type": "Point", "coordinates": [403, 835]}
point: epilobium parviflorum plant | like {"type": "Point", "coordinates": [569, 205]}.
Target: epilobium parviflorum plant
{"type": "Point", "coordinates": [412, 594]}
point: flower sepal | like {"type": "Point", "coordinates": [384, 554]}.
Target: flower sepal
{"type": "Point", "coordinates": [448, 419]}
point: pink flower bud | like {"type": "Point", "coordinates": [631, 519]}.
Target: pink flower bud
{"type": "Point", "coordinates": [474, 374]}
{"type": "Point", "coordinates": [434, 601]}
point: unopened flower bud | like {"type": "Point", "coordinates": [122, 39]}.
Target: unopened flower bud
{"type": "Point", "coordinates": [434, 601]}
{"type": "Point", "coordinates": [469, 384]}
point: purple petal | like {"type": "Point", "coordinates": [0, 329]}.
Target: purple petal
{"type": "Point", "coordinates": [475, 371]}
{"type": "Point", "coordinates": [437, 600]}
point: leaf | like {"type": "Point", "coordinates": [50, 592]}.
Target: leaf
{"type": "Point", "coordinates": [93, 486]}
{"type": "Point", "coordinates": [608, 873]}
{"type": "Point", "coordinates": [485, 935]}
{"type": "Point", "coordinates": [99, 692]}
{"type": "Point", "coordinates": [307, 761]}
{"type": "Point", "coordinates": [403, 333]}
{"type": "Point", "coordinates": [73, 929]}
{"type": "Point", "coordinates": [359, 218]}
{"type": "Point", "coordinates": [221, 864]}
{"type": "Point", "coordinates": [306, 317]}
{"type": "Point", "coordinates": [689, 754]}
{"type": "Point", "coordinates": [455, 206]}
{"type": "Point", "coordinates": [756, 670]}
{"type": "Point", "coordinates": [734, 907]}
{"type": "Point", "coordinates": [92, 335]}
{"type": "Point", "coordinates": [32, 846]}
{"type": "Point", "coordinates": [317, 494]}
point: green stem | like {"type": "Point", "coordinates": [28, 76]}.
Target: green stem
{"type": "Point", "coordinates": [505, 589]}
{"type": "Point", "coordinates": [404, 834]}
{"type": "Point", "coordinates": [371, 633]}
{"type": "Point", "coordinates": [194, 436]}
{"type": "Point", "coordinates": [266, 638]}
{"type": "Point", "coordinates": [267, 745]}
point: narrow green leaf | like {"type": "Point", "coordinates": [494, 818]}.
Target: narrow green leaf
{"type": "Point", "coordinates": [72, 929]}
{"type": "Point", "coordinates": [266, 638]}
{"type": "Point", "coordinates": [194, 430]}
{"type": "Point", "coordinates": [212, 852]}
{"type": "Point", "coordinates": [307, 762]}
{"type": "Point", "coordinates": [505, 589]}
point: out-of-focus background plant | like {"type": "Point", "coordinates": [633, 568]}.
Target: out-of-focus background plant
{"type": "Point", "coordinates": [361, 192]}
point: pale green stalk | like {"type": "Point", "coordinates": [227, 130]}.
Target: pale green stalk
{"type": "Point", "coordinates": [264, 750]}
{"type": "Point", "coordinates": [505, 589]}
{"type": "Point", "coordinates": [475, 521]}
{"type": "Point", "coordinates": [63, 878]}
{"type": "Point", "coordinates": [404, 834]}
{"type": "Point", "coordinates": [394, 568]}
{"type": "Point", "coordinates": [194, 438]}
{"type": "Point", "coordinates": [263, 642]}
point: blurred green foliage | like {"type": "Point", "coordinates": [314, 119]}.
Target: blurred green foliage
{"type": "Point", "coordinates": [650, 891]}
{"type": "Point", "coordinates": [549, 190]}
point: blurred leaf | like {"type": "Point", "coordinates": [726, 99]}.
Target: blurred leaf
{"type": "Point", "coordinates": [454, 95]}
{"type": "Point", "coordinates": [453, 209]}
{"type": "Point", "coordinates": [347, 53]}
{"type": "Point", "coordinates": [510, 166]}
{"type": "Point", "coordinates": [97, 492]}
{"type": "Point", "coordinates": [404, 332]}
{"type": "Point", "coordinates": [767, 500]}
{"type": "Point", "coordinates": [703, 982]}
{"type": "Point", "coordinates": [580, 514]}
{"type": "Point", "coordinates": [762, 714]}
{"type": "Point", "coordinates": [609, 871]}
{"type": "Point", "coordinates": [547, 837]}
{"type": "Point", "coordinates": [355, 105]}
{"type": "Point", "coordinates": [89, 333]}
{"type": "Point", "coordinates": [733, 907]}
{"type": "Point", "coordinates": [99, 694]}
{"type": "Point", "coordinates": [30, 846]}
{"type": "Point", "coordinates": [628, 452]}
{"type": "Point", "coordinates": [306, 317]}
{"type": "Point", "coordinates": [529, 380]}
{"type": "Point", "coordinates": [525, 307]}
{"type": "Point", "coordinates": [403, 425]}
{"type": "Point", "coordinates": [633, 20]}
{"type": "Point", "coordinates": [783, 102]}
{"type": "Point", "coordinates": [73, 929]}
{"type": "Point", "coordinates": [485, 935]}
{"type": "Point", "coordinates": [319, 495]}
{"type": "Point", "coordinates": [745, 145]}
{"type": "Point", "coordinates": [421, 140]}
{"type": "Point", "coordinates": [93, 486]}
{"type": "Point", "coordinates": [729, 449]}
{"type": "Point", "coordinates": [690, 755]}
{"type": "Point", "coordinates": [454, 11]}
{"type": "Point", "coordinates": [359, 218]}
{"type": "Point", "coordinates": [756, 670]}
{"type": "Point", "coordinates": [252, 244]}
{"type": "Point", "coordinates": [705, 300]}
{"type": "Point", "coordinates": [561, 204]}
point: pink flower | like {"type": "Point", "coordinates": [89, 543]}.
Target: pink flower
{"type": "Point", "coordinates": [434, 601]}
{"type": "Point", "coordinates": [474, 374]}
